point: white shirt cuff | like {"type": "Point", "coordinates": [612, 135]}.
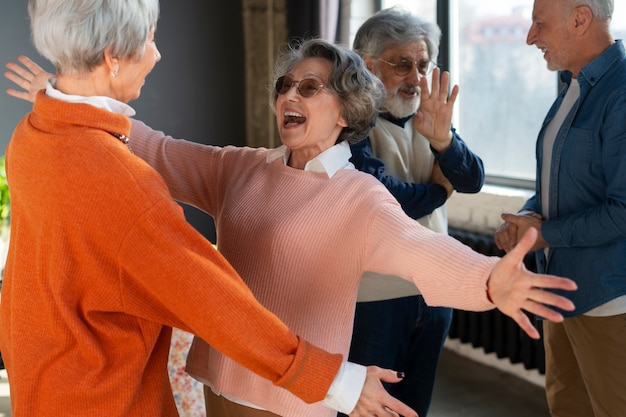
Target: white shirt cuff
{"type": "Point", "coordinates": [345, 390]}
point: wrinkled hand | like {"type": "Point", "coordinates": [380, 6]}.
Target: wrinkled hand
{"type": "Point", "coordinates": [375, 401]}
{"type": "Point", "coordinates": [514, 289]}
{"type": "Point", "coordinates": [434, 117]}
{"type": "Point", "coordinates": [514, 227]}
{"type": "Point", "coordinates": [31, 78]}
{"type": "Point", "coordinates": [437, 177]}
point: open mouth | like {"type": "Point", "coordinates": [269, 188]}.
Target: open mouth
{"type": "Point", "coordinates": [409, 91]}
{"type": "Point", "coordinates": [292, 118]}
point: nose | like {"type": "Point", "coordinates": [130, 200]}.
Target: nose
{"type": "Point", "coordinates": [157, 54]}
{"type": "Point", "coordinates": [293, 91]}
{"type": "Point", "coordinates": [414, 76]}
{"type": "Point", "coordinates": [531, 38]}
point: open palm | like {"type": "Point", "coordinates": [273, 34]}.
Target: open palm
{"type": "Point", "coordinates": [434, 117]}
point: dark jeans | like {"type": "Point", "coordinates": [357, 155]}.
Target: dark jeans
{"type": "Point", "coordinates": [405, 335]}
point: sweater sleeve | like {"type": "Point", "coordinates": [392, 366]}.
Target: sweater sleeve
{"type": "Point", "coordinates": [417, 200]}
{"type": "Point", "coordinates": [447, 272]}
{"type": "Point", "coordinates": [197, 290]}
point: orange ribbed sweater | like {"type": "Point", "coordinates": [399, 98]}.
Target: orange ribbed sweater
{"type": "Point", "coordinates": [102, 264]}
{"type": "Point", "coordinates": [301, 241]}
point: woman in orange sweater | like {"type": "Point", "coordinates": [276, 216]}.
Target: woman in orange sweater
{"type": "Point", "coordinates": [87, 298]}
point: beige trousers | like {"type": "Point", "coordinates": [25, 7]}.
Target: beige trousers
{"type": "Point", "coordinates": [586, 366]}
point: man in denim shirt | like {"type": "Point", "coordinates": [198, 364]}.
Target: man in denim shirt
{"type": "Point", "coordinates": [579, 206]}
{"type": "Point", "coordinates": [420, 159]}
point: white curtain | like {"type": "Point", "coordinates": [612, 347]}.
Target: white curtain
{"type": "Point", "coordinates": [329, 19]}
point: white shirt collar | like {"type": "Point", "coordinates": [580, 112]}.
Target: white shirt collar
{"type": "Point", "coordinates": [106, 103]}
{"type": "Point", "coordinates": [328, 162]}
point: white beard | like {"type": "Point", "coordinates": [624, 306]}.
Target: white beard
{"type": "Point", "coordinates": [399, 107]}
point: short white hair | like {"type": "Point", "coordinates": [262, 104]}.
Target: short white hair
{"type": "Point", "coordinates": [601, 9]}
{"type": "Point", "coordinates": [73, 34]}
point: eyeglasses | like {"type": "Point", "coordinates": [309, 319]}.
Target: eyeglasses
{"type": "Point", "coordinates": [404, 67]}
{"type": "Point", "coordinates": [306, 88]}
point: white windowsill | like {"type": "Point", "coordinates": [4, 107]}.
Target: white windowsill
{"type": "Point", "coordinates": [481, 212]}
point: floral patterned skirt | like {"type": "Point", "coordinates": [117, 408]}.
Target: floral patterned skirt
{"type": "Point", "coordinates": [188, 393]}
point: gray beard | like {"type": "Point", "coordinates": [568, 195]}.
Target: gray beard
{"type": "Point", "coordinates": [400, 108]}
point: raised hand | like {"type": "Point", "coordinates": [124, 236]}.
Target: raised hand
{"type": "Point", "coordinates": [514, 289]}
{"type": "Point", "coordinates": [434, 117]}
{"type": "Point", "coordinates": [30, 77]}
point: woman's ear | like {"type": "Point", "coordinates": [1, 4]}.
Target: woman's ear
{"type": "Point", "coordinates": [112, 63]}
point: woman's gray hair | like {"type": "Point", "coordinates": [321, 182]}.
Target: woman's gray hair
{"type": "Point", "coordinates": [73, 34]}
{"type": "Point", "coordinates": [601, 9]}
{"type": "Point", "coordinates": [392, 27]}
{"type": "Point", "coordinates": [359, 91]}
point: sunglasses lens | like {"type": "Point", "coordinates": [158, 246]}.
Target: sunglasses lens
{"type": "Point", "coordinates": [308, 88]}
{"type": "Point", "coordinates": [283, 84]}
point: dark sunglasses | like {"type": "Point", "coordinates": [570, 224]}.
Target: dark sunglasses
{"type": "Point", "coordinates": [306, 88]}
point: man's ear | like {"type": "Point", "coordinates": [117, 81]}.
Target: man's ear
{"type": "Point", "coordinates": [583, 17]}
{"type": "Point", "coordinates": [369, 62]}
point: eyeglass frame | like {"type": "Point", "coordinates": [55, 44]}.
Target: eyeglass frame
{"type": "Point", "coordinates": [298, 83]}
{"type": "Point", "coordinates": [396, 67]}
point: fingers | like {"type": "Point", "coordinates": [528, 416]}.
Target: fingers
{"type": "Point", "coordinates": [453, 95]}
{"type": "Point", "coordinates": [550, 281]}
{"type": "Point", "coordinates": [440, 87]}
{"type": "Point", "coordinates": [524, 245]}
{"type": "Point", "coordinates": [28, 63]}
{"type": "Point", "coordinates": [443, 86]}
{"type": "Point", "coordinates": [375, 400]}
{"type": "Point", "coordinates": [18, 94]}
{"type": "Point", "coordinates": [434, 85]}
{"type": "Point", "coordinates": [17, 78]}
{"type": "Point", "coordinates": [392, 404]}
{"type": "Point", "coordinates": [524, 323]}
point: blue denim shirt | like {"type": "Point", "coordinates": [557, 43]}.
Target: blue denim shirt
{"type": "Point", "coordinates": [586, 226]}
{"type": "Point", "coordinates": [459, 164]}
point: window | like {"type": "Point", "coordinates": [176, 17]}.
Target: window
{"type": "Point", "coordinates": [505, 87]}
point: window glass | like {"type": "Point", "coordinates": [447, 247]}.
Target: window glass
{"type": "Point", "coordinates": [618, 24]}
{"type": "Point", "coordinates": [426, 9]}
{"type": "Point", "coordinates": [505, 87]}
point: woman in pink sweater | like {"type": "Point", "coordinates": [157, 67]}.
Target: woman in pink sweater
{"type": "Point", "coordinates": [300, 225]}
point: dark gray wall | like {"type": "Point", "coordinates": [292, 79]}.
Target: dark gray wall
{"type": "Point", "coordinates": [196, 92]}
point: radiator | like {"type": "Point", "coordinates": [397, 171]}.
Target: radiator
{"type": "Point", "coordinates": [493, 331]}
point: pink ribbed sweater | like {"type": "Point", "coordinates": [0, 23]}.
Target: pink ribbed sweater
{"type": "Point", "coordinates": [100, 260]}
{"type": "Point", "coordinates": [301, 241]}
